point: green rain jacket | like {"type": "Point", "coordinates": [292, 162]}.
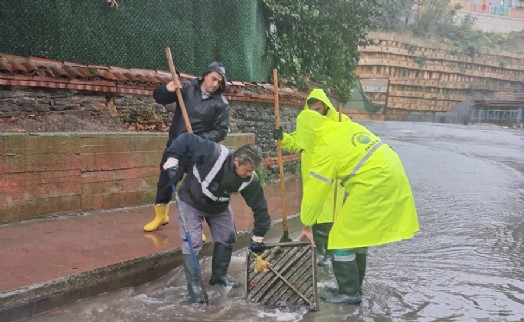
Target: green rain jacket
{"type": "Point", "coordinates": [289, 143]}
{"type": "Point", "coordinates": [380, 207]}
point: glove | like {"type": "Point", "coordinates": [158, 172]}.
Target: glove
{"type": "Point", "coordinates": [170, 163]}
{"type": "Point", "coordinates": [278, 134]}
{"type": "Point", "coordinates": [171, 166]}
{"type": "Point", "coordinates": [257, 244]}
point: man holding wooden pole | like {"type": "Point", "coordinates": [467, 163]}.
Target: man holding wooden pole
{"type": "Point", "coordinates": [208, 112]}
{"type": "Point", "coordinates": [319, 102]}
{"type": "Point", "coordinates": [215, 173]}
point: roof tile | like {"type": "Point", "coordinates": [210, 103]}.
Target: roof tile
{"type": "Point", "coordinates": [131, 77]}
{"type": "Point", "coordinates": [120, 77]}
{"type": "Point", "coordinates": [85, 73]}
{"type": "Point", "coordinates": [4, 65]}
{"type": "Point", "coordinates": [142, 78]}
{"type": "Point", "coordinates": [18, 67]}
{"type": "Point", "coordinates": [57, 71]}
{"type": "Point", "coordinates": [153, 79]}
{"type": "Point", "coordinates": [43, 72]}
{"type": "Point", "coordinates": [108, 75]}
{"type": "Point", "coordinates": [72, 72]}
{"type": "Point", "coordinates": [30, 67]}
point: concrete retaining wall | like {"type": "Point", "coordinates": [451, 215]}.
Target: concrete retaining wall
{"type": "Point", "coordinates": [58, 173]}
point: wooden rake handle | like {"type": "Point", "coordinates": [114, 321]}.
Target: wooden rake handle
{"type": "Point", "coordinates": [178, 92]}
{"type": "Point", "coordinates": [279, 155]}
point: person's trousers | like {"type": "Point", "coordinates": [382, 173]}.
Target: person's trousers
{"type": "Point", "coordinates": [221, 225]}
{"type": "Point", "coordinates": [163, 185]}
{"type": "Point", "coordinates": [347, 255]}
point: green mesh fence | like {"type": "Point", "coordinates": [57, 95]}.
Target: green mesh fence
{"type": "Point", "coordinates": [360, 101]}
{"type": "Point", "coordinates": [135, 34]}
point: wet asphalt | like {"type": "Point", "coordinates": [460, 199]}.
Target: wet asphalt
{"type": "Point", "coordinates": [465, 264]}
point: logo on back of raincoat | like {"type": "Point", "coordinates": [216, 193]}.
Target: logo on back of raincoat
{"type": "Point", "coordinates": [360, 138]}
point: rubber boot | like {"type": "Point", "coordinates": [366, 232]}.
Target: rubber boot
{"type": "Point", "coordinates": [194, 291]}
{"type": "Point", "coordinates": [346, 274]}
{"type": "Point", "coordinates": [361, 264]}
{"type": "Point", "coordinates": [204, 238]}
{"type": "Point", "coordinates": [220, 264]}
{"type": "Point", "coordinates": [320, 236]}
{"type": "Point", "coordinates": [161, 217]}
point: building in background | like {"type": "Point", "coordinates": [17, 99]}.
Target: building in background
{"type": "Point", "coordinates": [499, 16]}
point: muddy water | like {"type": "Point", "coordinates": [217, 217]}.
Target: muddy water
{"type": "Point", "coordinates": [466, 263]}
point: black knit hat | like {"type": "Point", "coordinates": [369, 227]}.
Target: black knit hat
{"type": "Point", "coordinates": [219, 68]}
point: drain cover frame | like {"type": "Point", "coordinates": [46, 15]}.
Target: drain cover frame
{"type": "Point", "coordinates": [290, 280]}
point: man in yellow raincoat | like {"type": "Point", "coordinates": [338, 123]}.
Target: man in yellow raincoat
{"type": "Point", "coordinates": [317, 101]}
{"type": "Point", "coordinates": [379, 209]}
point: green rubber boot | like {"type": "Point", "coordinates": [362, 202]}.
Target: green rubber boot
{"type": "Point", "coordinates": [193, 283]}
{"type": "Point", "coordinates": [347, 277]}
{"type": "Point", "coordinates": [220, 264]}
{"type": "Point", "coordinates": [361, 264]}
{"type": "Point", "coordinates": [320, 236]}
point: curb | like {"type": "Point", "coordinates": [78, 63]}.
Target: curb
{"type": "Point", "coordinates": [31, 300]}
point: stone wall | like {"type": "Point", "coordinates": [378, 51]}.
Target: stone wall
{"type": "Point", "coordinates": [245, 117]}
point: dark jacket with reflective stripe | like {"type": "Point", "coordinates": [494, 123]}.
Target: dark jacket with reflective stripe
{"type": "Point", "coordinates": [214, 162]}
{"type": "Point", "coordinates": [209, 117]}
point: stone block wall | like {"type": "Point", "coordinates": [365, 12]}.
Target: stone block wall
{"type": "Point", "coordinates": [245, 117]}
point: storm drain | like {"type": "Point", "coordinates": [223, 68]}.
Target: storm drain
{"type": "Point", "coordinates": [289, 278]}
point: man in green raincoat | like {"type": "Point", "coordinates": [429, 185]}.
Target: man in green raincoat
{"type": "Point", "coordinates": [317, 101]}
{"type": "Point", "coordinates": [379, 209]}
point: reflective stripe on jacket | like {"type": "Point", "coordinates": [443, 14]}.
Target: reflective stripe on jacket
{"type": "Point", "coordinates": [208, 186]}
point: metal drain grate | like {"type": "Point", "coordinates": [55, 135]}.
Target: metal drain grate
{"type": "Point", "coordinates": [290, 280]}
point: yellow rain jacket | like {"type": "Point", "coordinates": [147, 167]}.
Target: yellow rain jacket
{"type": "Point", "coordinates": [289, 143]}
{"type": "Point", "coordinates": [380, 207]}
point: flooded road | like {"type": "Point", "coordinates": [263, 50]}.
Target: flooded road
{"type": "Point", "coordinates": [465, 264]}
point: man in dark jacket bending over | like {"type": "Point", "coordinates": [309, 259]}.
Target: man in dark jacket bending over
{"type": "Point", "coordinates": [208, 112]}
{"type": "Point", "coordinates": [216, 172]}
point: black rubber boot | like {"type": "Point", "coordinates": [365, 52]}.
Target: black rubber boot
{"type": "Point", "coordinates": [320, 236]}
{"type": "Point", "coordinates": [193, 282]}
{"type": "Point", "coordinates": [361, 264]}
{"type": "Point", "coordinates": [220, 264]}
{"type": "Point", "coordinates": [347, 277]}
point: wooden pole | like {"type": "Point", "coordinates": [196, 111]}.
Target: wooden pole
{"type": "Point", "coordinates": [181, 103]}
{"type": "Point", "coordinates": [336, 179]}
{"type": "Point", "coordinates": [285, 237]}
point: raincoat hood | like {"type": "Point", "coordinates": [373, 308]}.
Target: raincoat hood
{"type": "Point", "coordinates": [320, 95]}
{"type": "Point", "coordinates": [309, 123]}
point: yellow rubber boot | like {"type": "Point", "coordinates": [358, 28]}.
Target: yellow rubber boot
{"type": "Point", "coordinates": [161, 217]}
{"type": "Point", "coordinates": [204, 238]}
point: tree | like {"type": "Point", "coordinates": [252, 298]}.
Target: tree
{"type": "Point", "coordinates": [394, 14]}
{"type": "Point", "coordinates": [316, 41]}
